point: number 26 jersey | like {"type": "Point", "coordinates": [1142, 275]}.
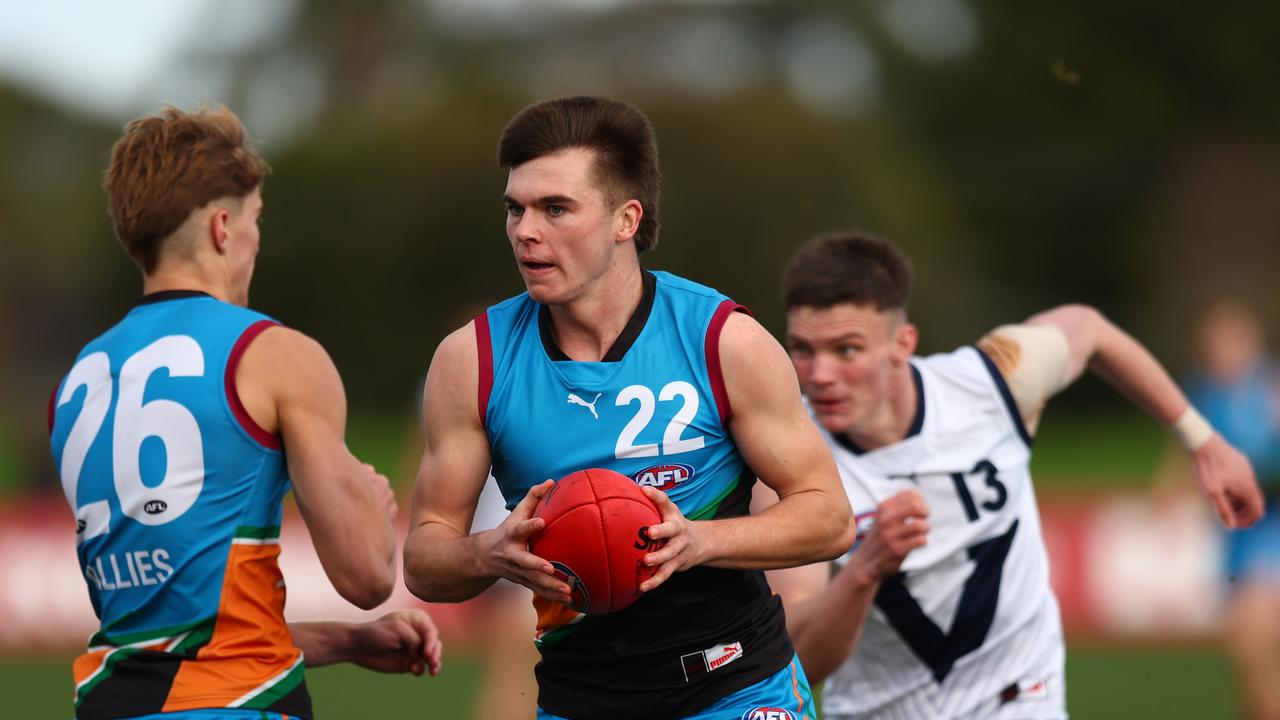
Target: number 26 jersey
{"type": "Point", "coordinates": [177, 499]}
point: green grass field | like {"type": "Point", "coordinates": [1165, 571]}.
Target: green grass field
{"type": "Point", "coordinates": [1103, 684]}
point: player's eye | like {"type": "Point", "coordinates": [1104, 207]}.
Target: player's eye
{"type": "Point", "coordinates": [800, 351]}
{"type": "Point", "coordinates": [848, 351]}
{"type": "Point", "coordinates": [556, 210]}
{"type": "Point", "coordinates": [514, 210]}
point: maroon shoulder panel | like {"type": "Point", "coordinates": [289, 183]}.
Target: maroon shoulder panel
{"type": "Point", "coordinates": [712, 351]}
{"type": "Point", "coordinates": [53, 404]}
{"type": "Point", "coordinates": [269, 440]}
{"type": "Point", "coordinates": [484, 352]}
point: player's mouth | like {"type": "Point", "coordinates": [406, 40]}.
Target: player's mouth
{"type": "Point", "coordinates": [826, 406]}
{"type": "Point", "coordinates": [536, 268]}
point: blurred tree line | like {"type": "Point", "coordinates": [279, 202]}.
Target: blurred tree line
{"type": "Point", "coordinates": [1024, 154]}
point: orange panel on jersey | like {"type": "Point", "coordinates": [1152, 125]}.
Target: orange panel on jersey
{"type": "Point", "coordinates": [251, 643]}
{"type": "Point", "coordinates": [552, 615]}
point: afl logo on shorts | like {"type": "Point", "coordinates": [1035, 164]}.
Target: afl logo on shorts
{"type": "Point", "coordinates": [155, 507]}
{"type": "Point", "coordinates": [768, 713]}
{"type": "Point", "coordinates": [664, 477]}
{"type": "Point", "coordinates": [577, 589]}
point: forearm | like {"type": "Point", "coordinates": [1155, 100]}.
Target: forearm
{"type": "Point", "coordinates": [1132, 370]}
{"type": "Point", "coordinates": [360, 564]}
{"type": "Point", "coordinates": [442, 566]}
{"type": "Point", "coordinates": [825, 628]}
{"type": "Point", "coordinates": [802, 528]}
{"type": "Point", "coordinates": [324, 643]}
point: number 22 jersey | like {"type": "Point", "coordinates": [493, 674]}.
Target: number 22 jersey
{"type": "Point", "coordinates": [177, 499]}
{"type": "Point", "coordinates": [654, 409]}
{"type": "Point", "coordinates": [970, 624]}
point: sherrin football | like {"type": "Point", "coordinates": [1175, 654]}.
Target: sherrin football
{"type": "Point", "coordinates": [594, 538]}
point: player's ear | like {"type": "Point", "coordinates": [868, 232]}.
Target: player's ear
{"type": "Point", "coordinates": [905, 340]}
{"type": "Point", "coordinates": [217, 225]}
{"type": "Point", "coordinates": [627, 219]}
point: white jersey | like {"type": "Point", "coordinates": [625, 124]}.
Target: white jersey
{"type": "Point", "coordinates": [970, 627]}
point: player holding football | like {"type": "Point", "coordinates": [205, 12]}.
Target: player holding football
{"type": "Point", "coordinates": [170, 434]}
{"type": "Point", "coordinates": [968, 626]}
{"type": "Point", "coordinates": [604, 364]}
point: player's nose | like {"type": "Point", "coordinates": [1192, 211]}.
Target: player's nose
{"type": "Point", "coordinates": [524, 228]}
{"type": "Point", "coordinates": [822, 369]}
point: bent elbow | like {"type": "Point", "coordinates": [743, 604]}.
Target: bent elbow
{"type": "Point", "coordinates": [366, 593]}
{"type": "Point", "coordinates": [845, 539]}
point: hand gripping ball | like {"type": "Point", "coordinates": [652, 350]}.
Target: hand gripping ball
{"type": "Point", "coordinates": [595, 539]}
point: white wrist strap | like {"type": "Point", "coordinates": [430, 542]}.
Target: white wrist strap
{"type": "Point", "coordinates": [1192, 430]}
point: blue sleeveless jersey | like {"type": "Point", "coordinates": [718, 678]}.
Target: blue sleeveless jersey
{"type": "Point", "coordinates": [654, 410]}
{"type": "Point", "coordinates": [177, 498]}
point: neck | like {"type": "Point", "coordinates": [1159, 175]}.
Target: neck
{"type": "Point", "coordinates": [587, 327]}
{"type": "Point", "coordinates": [890, 422]}
{"type": "Point", "coordinates": [184, 278]}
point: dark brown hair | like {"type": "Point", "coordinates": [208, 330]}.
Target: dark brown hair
{"type": "Point", "coordinates": [620, 136]}
{"type": "Point", "coordinates": [169, 164]}
{"type": "Point", "coordinates": [848, 267]}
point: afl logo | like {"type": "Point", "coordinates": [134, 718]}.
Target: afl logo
{"type": "Point", "coordinates": [664, 477]}
{"type": "Point", "coordinates": [579, 598]}
{"type": "Point", "coordinates": [155, 507]}
{"type": "Point", "coordinates": [768, 713]}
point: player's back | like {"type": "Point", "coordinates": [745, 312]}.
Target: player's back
{"type": "Point", "coordinates": [177, 497]}
{"type": "Point", "coordinates": [970, 627]}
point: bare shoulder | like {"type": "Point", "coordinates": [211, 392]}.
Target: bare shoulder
{"type": "Point", "coordinates": [285, 355]}
{"type": "Point", "coordinates": [282, 342]}
{"type": "Point", "coordinates": [283, 368]}
{"type": "Point", "coordinates": [756, 369]}
{"type": "Point", "coordinates": [742, 335]}
{"type": "Point", "coordinates": [456, 358]}
{"type": "Point", "coordinates": [454, 375]}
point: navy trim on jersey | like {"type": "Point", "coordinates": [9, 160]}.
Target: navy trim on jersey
{"type": "Point", "coordinates": [165, 295]}
{"type": "Point", "coordinates": [917, 423]}
{"type": "Point", "coordinates": [624, 342]}
{"type": "Point", "coordinates": [1009, 402]}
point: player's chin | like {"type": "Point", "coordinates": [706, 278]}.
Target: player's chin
{"type": "Point", "coordinates": [835, 419]}
{"type": "Point", "coordinates": [542, 292]}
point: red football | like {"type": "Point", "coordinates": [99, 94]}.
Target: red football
{"type": "Point", "coordinates": [594, 538]}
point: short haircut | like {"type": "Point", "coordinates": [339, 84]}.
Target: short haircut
{"type": "Point", "coordinates": [848, 267]}
{"type": "Point", "coordinates": [167, 165]}
{"type": "Point", "coordinates": [620, 136]}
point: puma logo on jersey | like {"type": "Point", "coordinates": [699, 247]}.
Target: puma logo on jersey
{"type": "Point", "coordinates": [575, 400]}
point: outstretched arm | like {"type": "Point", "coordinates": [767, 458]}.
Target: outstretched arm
{"type": "Point", "coordinates": [812, 521]}
{"type": "Point", "coordinates": [398, 642]}
{"type": "Point", "coordinates": [442, 561]}
{"type": "Point", "coordinates": [1094, 343]}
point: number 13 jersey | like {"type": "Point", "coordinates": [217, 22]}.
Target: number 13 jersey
{"type": "Point", "coordinates": [970, 621]}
